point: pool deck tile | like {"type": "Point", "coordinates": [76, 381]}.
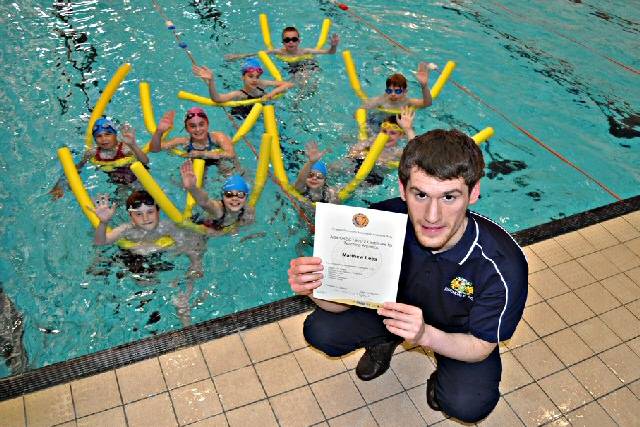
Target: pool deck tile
{"type": "Point", "coordinates": [574, 359]}
{"type": "Point", "coordinates": [12, 412]}
{"type": "Point", "coordinates": [87, 401]}
{"type": "Point", "coordinates": [156, 411]}
{"type": "Point", "coordinates": [140, 380]}
{"type": "Point", "coordinates": [110, 418]}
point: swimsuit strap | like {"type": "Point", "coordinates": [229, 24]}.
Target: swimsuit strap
{"type": "Point", "coordinates": [209, 147]}
{"type": "Point", "coordinates": [119, 154]}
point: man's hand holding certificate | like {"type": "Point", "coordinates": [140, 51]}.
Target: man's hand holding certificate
{"type": "Point", "coordinates": [361, 250]}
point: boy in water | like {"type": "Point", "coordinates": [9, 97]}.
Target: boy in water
{"type": "Point", "coordinates": [254, 87]}
{"type": "Point", "coordinates": [395, 127]}
{"type": "Point", "coordinates": [109, 154]}
{"type": "Point", "coordinates": [291, 47]}
{"type": "Point", "coordinates": [396, 93]}
{"type": "Point", "coordinates": [146, 231]}
{"type": "Point", "coordinates": [230, 211]}
{"type": "Point", "coordinates": [312, 178]}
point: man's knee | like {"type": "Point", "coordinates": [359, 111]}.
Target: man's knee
{"type": "Point", "coordinates": [469, 406]}
{"type": "Point", "coordinates": [322, 338]}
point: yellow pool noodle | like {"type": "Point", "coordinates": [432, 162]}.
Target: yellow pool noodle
{"type": "Point", "coordinates": [147, 107]}
{"type": "Point", "coordinates": [361, 119]}
{"type": "Point", "coordinates": [198, 169]}
{"type": "Point", "coordinates": [442, 79]}
{"type": "Point", "coordinates": [324, 32]}
{"type": "Point", "coordinates": [262, 170]}
{"type": "Point", "coordinates": [103, 101]}
{"type": "Point", "coordinates": [270, 66]}
{"type": "Point", "coordinates": [270, 125]}
{"type": "Point", "coordinates": [156, 192]}
{"type": "Point", "coordinates": [248, 123]}
{"type": "Point", "coordinates": [353, 75]}
{"type": "Point", "coordinates": [75, 183]}
{"type": "Point", "coordinates": [483, 135]}
{"type": "Point", "coordinates": [368, 164]}
{"type": "Point", "coordinates": [266, 33]}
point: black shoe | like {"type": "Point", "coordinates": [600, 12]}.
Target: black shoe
{"type": "Point", "coordinates": [376, 360]}
{"type": "Point", "coordinates": [431, 392]}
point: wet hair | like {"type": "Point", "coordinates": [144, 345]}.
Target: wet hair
{"type": "Point", "coordinates": [290, 29]}
{"type": "Point", "coordinates": [444, 154]}
{"type": "Point", "coordinates": [392, 118]}
{"type": "Point", "coordinates": [140, 197]}
{"type": "Point", "coordinates": [397, 80]}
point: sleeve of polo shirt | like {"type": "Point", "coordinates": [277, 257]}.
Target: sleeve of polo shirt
{"type": "Point", "coordinates": [499, 299]}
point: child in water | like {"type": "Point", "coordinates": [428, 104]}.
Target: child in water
{"type": "Point", "coordinates": [395, 127]}
{"type": "Point", "coordinates": [215, 147]}
{"type": "Point", "coordinates": [253, 88]}
{"type": "Point", "coordinates": [111, 155]}
{"type": "Point", "coordinates": [291, 47]}
{"type": "Point", "coordinates": [230, 211]}
{"type": "Point", "coordinates": [148, 233]}
{"type": "Point", "coordinates": [396, 92]}
{"type": "Point", "coordinates": [312, 178]}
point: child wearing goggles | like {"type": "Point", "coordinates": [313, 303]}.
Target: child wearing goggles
{"type": "Point", "coordinates": [230, 210]}
{"type": "Point", "coordinates": [291, 47]}
{"type": "Point", "coordinates": [396, 93]}
{"type": "Point", "coordinates": [253, 86]}
{"type": "Point", "coordinates": [146, 233]}
{"type": "Point", "coordinates": [312, 178]}
{"type": "Point", "coordinates": [214, 147]}
{"type": "Point", "coordinates": [110, 154]}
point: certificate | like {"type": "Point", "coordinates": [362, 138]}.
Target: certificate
{"type": "Point", "coordinates": [361, 250]}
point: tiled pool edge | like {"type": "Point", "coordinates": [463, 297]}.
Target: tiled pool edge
{"type": "Point", "coordinates": [125, 354]}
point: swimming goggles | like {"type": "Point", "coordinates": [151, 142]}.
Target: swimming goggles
{"type": "Point", "coordinates": [316, 175]}
{"type": "Point", "coordinates": [190, 116]}
{"type": "Point", "coordinates": [238, 194]}
{"type": "Point", "coordinates": [290, 39]}
{"type": "Point", "coordinates": [390, 91]}
{"type": "Point", "coordinates": [136, 204]}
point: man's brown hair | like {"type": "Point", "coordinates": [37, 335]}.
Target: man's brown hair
{"type": "Point", "coordinates": [444, 154]}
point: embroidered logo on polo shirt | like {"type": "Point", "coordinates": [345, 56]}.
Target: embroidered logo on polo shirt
{"type": "Point", "coordinates": [461, 287]}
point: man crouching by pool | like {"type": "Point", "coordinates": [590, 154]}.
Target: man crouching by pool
{"type": "Point", "coordinates": [462, 285]}
{"type": "Point", "coordinates": [146, 234]}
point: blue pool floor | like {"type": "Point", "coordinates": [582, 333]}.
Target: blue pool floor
{"type": "Point", "coordinates": [574, 360]}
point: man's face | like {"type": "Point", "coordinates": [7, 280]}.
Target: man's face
{"type": "Point", "coordinates": [395, 93]}
{"type": "Point", "coordinates": [145, 217]}
{"type": "Point", "coordinates": [291, 40]}
{"type": "Point", "coordinates": [437, 209]}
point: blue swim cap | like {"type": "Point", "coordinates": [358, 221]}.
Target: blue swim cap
{"type": "Point", "coordinates": [235, 183]}
{"type": "Point", "coordinates": [320, 166]}
{"type": "Point", "coordinates": [251, 64]}
{"type": "Point", "coordinates": [103, 125]}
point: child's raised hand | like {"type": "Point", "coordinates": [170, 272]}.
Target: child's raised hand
{"type": "Point", "coordinates": [166, 122]}
{"type": "Point", "coordinates": [422, 75]}
{"type": "Point", "coordinates": [103, 209]}
{"type": "Point", "coordinates": [405, 118]}
{"type": "Point", "coordinates": [335, 39]}
{"type": "Point", "coordinates": [202, 72]}
{"type": "Point", "coordinates": [128, 134]}
{"type": "Point", "coordinates": [313, 153]}
{"type": "Point", "coordinates": [188, 175]}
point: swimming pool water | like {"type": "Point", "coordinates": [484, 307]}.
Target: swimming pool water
{"type": "Point", "coordinates": [555, 70]}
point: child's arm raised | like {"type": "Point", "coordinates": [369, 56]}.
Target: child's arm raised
{"type": "Point", "coordinates": [129, 139]}
{"type": "Point", "coordinates": [207, 75]}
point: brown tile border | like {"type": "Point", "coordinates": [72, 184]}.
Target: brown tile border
{"type": "Point", "coordinates": [126, 354]}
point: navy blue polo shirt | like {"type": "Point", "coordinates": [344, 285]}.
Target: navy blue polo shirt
{"type": "Point", "coordinates": [479, 286]}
